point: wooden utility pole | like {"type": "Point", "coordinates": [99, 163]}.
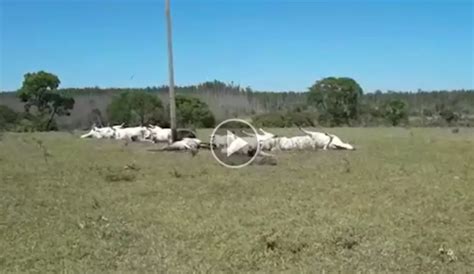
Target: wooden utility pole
{"type": "Point", "coordinates": [171, 72]}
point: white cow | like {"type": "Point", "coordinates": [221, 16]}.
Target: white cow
{"type": "Point", "coordinates": [118, 126]}
{"type": "Point", "coordinates": [92, 134]}
{"type": "Point", "coordinates": [222, 140]}
{"type": "Point", "coordinates": [284, 143]}
{"type": "Point", "coordinates": [337, 143]}
{"type": "Point", "coordinates": [190, 144]}
{"type": "Point", "coordinates": [99, 133]}
{"type": "Point", "coordinates": [269, 144]}
{"type": "Point", "coordinates": [289, 143]}
{"type": "Point", "coordinates": [301, 143]}
{"type": "Point", "coordinates": [270, 141]}
{"type": "Point", "coordinates": [185, 144]}
{"type": "Point", "coordinates": [326, 140]}
{"type": "Point", "coordinates": [159, 134]}
{"type": "Point", "coordinates": [132, 133]}
{"type": "Point", "coordinates": [241, 145]}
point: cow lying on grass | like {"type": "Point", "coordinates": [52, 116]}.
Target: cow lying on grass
{"type": "Point", "coordinates": [159, 134]}
{"type": "Point", "coordinates": [289, 143]}
{"type": "Point", "coordinates": [186, 144]}
{"type": "Point", "coordinates": [311, 141]}
{"type": "Point", "coordinates": [100, 133]}
{"type": "Point", "coordinates": [220, 141]}
{"type": "Point", "coordinates": [133, 134]}
{"type": "Point", "coordinates": [151, 133]}
{"type": "Point", "coordinates": [326, 140]}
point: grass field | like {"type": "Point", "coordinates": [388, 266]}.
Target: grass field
{"type": "Point", "coordinates": [68, 204]}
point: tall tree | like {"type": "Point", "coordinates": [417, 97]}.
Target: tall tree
{"type": "Point", "coordinates": [396, 111]}
{"type": "Point", "coordinates": [135, 108]}
{"type": "Point", "coordinates": [192, 111]}
{"type": "Point", "coordinates": [337, 99]}
{"type": "Point", "coordinates": [40, 90]}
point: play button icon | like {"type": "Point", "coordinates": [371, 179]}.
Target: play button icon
{"type": "Point", "coordinates": [234, 143]}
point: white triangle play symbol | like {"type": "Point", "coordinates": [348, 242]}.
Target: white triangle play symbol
{"type": "Point", "coordinates": [234, 143]}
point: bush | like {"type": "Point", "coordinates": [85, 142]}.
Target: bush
{"type": "Point", "coordinates": [284, 119]}
{"type": "Point", "coordinates": [306, 119]}
{"type": "Point", "coordinates": [25, 125]}
{"type": "Point", "coordinates": [449, 116]}
{"type": "Point", "coordinates": [396, 112]}
{"type": "Point", "coordinates": [371, 116]}
{"type": "Point", "coordinates": [191, 111]}
{"type": "Point", "coordinates": [135, 108]}
{"type": "Point", "coordinates": [427, 112]}
{"type": "Point", "coordinates": [142, 108]}
{"type": "Point", "coordinates": [269, 120]}
{"type": "Point", "coordinates": [24, 122]}
{"type": "Point", "coordinates": [8, 118]}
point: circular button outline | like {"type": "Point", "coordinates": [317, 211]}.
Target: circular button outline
{"type": "Point", "coordinates": [239, 121]}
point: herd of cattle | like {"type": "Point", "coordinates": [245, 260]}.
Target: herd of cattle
{"type": "Point", "coordinates": [311, 140]}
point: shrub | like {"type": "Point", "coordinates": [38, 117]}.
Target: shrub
{"type": "Point", "coordinates": [284, 119]}
{"type": "Point", "coordinates": [24, 122]}
{"type": "Point", "coordinates": [396, 112]}
{"type": "Point", "coordinates": [26, 125]}
{"type": "Point", "coordinates": [135, 108]}
{"type": "Point", "coordinates": [449, 116]}
{"type": "Point", "coordinates": [192, 111]}
{"type": "Point", "coordinates": [8, 118]}
{"type": "Point", "coordinates": [301, 119]}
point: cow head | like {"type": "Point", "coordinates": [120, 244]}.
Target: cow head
{"type": "Point", "coordinates": [266, 135]}
{"type": "Point", "coordinates": [118, 126]}
{"type": "Point", "coordinates": [336, 143]}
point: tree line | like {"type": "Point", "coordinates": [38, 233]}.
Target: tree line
{"type": "Point", "coordinates": [334, 101]}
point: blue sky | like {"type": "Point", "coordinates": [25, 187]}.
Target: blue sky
{"type": "Point", "coordinates": [268, 45]}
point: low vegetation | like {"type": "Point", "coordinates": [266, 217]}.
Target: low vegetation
{"type": "Point", "coordinates": [192, 112]}
{"type": "Point", "coordinates": [403, 202]}
{"type": "Point", "coordinates": [285, 119]}
{"type": "Point", "coordinates": [135, 108]}
{"type": "Point", "coordinates": [332, 101]}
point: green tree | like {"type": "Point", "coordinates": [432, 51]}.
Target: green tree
{"type": "Point", "coordinates": [396, 111]}
{"type": "Point", "coordinates": [337, 99]}
{"type": "Point", "coordinates": [135, 108]}
{"type": "Point", "coordinates": [192, 111]}
{"type": "Point", "coordinates": [40, 90]}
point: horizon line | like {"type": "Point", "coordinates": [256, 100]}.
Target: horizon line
{"type": "Point", "coordinates": [255, 91]}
